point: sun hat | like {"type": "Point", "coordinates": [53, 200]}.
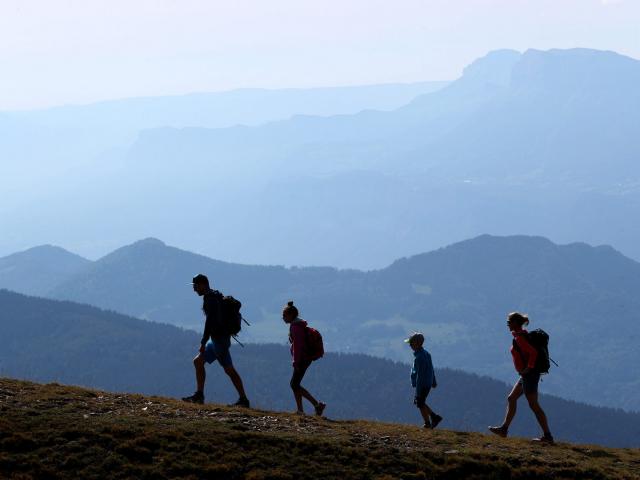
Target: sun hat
{"type": "Point", "coordinates": [416, 337]}
{"type": "Point", "coordinates": [200, 279]}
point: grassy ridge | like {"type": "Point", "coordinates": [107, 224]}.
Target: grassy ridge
{"type": "Point", "coordinates": [53, 431]}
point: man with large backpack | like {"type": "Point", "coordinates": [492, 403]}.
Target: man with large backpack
{"type": "Point", "coordinates": [219, 327]}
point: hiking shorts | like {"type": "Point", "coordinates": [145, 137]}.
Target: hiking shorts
{"type": "Point", "coordinates": [420, 399]}
{"type": "Point", "coordinates": [296, 377]}
{"type": "Point", "coordinates": [218, 349]}
{"type": "Point", "coordinates": [530, 382]}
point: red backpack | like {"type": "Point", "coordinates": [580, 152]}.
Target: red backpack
{"type": "Point", "coordinates": [314, 346]}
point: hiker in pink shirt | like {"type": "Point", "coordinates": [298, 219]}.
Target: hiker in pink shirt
{"type": "Point", "coordinates": [298, 336]}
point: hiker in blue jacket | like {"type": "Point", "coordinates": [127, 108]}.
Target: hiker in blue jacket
{"type": "Point", "coordinates": [423, 379]}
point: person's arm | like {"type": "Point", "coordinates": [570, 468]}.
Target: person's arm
{"type": "Point", "coordinates": [434, 383]}
{"type": "Point", "coordinates": [428, 371]}
{"type": "Point", "coordinates": [414, 375]}
{"type": "Point", "coordinates": [206, 334]}
{"type": "Point", "coordinates": [211, 310]}
{"type": "Point", "coordinates": [529, 352]}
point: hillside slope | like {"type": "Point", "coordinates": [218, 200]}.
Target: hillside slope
{"type": "Point", "coordinates": [44, 340]}
{"type": "Point", "coordinates": [53, 431]}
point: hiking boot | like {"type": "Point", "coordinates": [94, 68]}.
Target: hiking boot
{"type": "Point", "coordinates": [241, 402]}
{"type": "Point", "coordinates": [427, 425]}
{"type": "Point", "coordinates": [320, 408]}
{"type": "Point", "coordinates": [435, 420]}
{"type": "Point", "coordinates": [197, 397]}
{"type": "Point", "coordinates": [300, 413]}
{"type": "Point", "coordinates": [500, 431]}
{"type": "Point", "coordinates": [546, 438]}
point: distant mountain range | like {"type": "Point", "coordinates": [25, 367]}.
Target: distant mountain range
{"type": "Point", "coordinates": [540, 142]}
{"type": "Point", "coordinates": [249, 106]}
{"type": "Point", "coordinates": [47, 340]}
{"type": "Point", "coordinates": [537, 143]}
{"type": "Point", "coordinates": [585, 297]}
{"type": "Point", "coordinates": [58, 162]}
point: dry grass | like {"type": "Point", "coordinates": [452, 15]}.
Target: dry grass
{"type": "Point", "coordinates": [53, 431]}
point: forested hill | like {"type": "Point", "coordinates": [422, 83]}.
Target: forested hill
{"type": "Point", "coordinates": [46, 340]}
{"type": "Point", "coordinates": [53, 431]}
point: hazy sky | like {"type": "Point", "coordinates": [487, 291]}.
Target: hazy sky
{"type": "Point", "coordinates": [76, 51]}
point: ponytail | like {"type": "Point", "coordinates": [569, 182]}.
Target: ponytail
{"type": "Point", "coordinates": [291, 309]}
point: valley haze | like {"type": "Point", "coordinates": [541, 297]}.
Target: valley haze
{"type": "Point", "coordinates": [539, 142]}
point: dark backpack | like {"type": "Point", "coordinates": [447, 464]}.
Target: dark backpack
{"type": "Point", "coordinates": [314, 346]}
{"type": "Point", "coordinates": [231, 316]}
{"type": "Point", "coordinates": [538, 339]}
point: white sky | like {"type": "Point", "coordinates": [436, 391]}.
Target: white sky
{"type": "Point", "coordinates": [77, 51]}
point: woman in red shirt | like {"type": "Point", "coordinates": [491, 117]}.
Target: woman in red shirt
{"type": "Point", "coordinates": [524, 360]}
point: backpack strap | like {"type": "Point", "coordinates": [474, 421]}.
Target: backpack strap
{"type": "Point", "coordinates": [518, 349]}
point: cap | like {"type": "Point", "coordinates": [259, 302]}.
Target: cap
{"type": "Point", "coordinates": [415, 337]}
{"type": "Point", "coordinates": [199, 279]}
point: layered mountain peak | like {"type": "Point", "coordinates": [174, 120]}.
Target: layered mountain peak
{"type": "Point", "coordinates": [494, 68]}
{"type": "Point", "coordinates": [35, 270]}
{"type": "Point", "coordinates": [551, 68]}
{"type": "Point", "coordinates": [149, 242]}
{"type": "Point", "coordinates": [574, 68]}
{"type": "Point", "coordinates": [147, 248]}
{"type": "Point", "coordinates": [46, 252]}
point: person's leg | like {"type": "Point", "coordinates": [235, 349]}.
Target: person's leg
{"type": "Point", "coordinates": [296, 378]}
{"type": "Point", "coordinates": [305, 393]}
{"type": "Point", "coordinates": [426, 413]}
{"type": "Point", "coordinates": [435, 418]}
{"type": "Point", "coordinates": [201, 373]}
{"type": "Point", "coordinates": [207, 356]}
{"type": "Point", "coordinates": [300, 392]}
{"type": "Point", "coordinates": [222, 346]}
{"type": "Point", "coordinates": [530, 384]}
{"type": "Point", "coordinates": [512, 404]}
{"type": "Point", "coordinates": [236, 380]}
{"type": "Point", "coordinates": [532, 398]}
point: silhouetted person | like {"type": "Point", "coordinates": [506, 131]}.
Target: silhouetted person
{"type": "Point", "coordinates": [423, 379]}
{"type": "Point", "coordinates": [301, 358]}
{"type": "Point", "coordinates": [524, 360]}
{"type": "Point", "coordinates": [218, 347]}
